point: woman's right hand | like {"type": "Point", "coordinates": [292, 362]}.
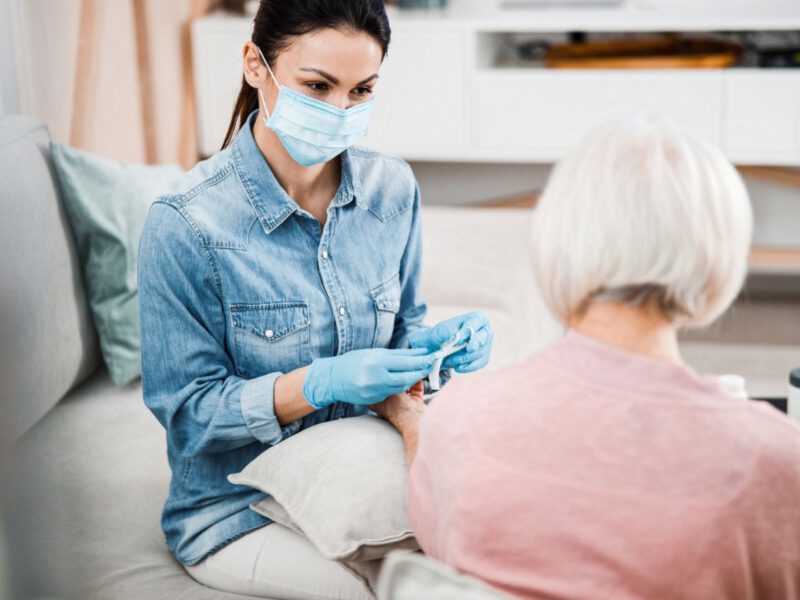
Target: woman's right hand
{"type": "Point", "coordinates": [365, 376]}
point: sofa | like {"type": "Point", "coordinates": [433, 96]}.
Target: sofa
{"type": "Point", "coordinates": [84, 463]}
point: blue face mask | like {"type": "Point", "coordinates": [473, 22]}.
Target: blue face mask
{"type": "Point", "coordinates": [313, 131]}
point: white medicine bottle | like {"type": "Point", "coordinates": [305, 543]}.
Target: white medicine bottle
{"type": "Point", "coordinates": [735, 385]}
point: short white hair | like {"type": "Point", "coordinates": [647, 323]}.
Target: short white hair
{"type": "Point", "coordinates": [642, 210]}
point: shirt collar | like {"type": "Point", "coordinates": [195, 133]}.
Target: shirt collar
{"type": "Point", "coordinates": [270, 201]}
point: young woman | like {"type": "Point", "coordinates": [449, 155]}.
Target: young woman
{"type": "Point", "coordinates": [279, 288]}
{"type": "Point", "coordinates": [604, 467]}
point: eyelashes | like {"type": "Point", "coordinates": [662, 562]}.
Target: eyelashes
{"type": "Point", "coordinates": [319, 87]}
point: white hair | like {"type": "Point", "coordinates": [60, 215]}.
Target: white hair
{"type": "Point", "coordinates": [643, 210]}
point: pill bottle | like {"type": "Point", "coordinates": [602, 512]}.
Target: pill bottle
{"type": "Point", "coordinates": [734, 384]}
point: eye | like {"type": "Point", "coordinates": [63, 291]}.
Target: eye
{"type": "Point", "coordinates": [362, 91]}
{"type": "Point", "coordinates": [318, 86]}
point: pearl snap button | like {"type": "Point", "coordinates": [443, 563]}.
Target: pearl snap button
{"type": "Point", "coordinates": [269, 333]}
{"type": "Point", "coordinates": [341, 311]}
{"type": "Point", "coordinates": [325, 254]}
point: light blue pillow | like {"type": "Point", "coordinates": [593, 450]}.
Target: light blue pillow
{"type": "Point", "coordinates": [106, 202]}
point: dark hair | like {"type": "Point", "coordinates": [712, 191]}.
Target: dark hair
{"type": "Point", "coordinates": [278, 21]}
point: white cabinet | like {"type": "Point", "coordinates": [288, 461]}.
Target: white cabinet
{"type": "Point", "coordinates": [535, 115]}
{"type": "Point", "coordinates": [444, 95]}
{"type": "Point", "coordinates": [762, 116]}
{"type": "Point", "coordinates": [420, 104]}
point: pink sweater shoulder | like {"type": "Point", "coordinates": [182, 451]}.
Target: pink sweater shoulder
{"type": "Point", "coordinates": [588, 472]}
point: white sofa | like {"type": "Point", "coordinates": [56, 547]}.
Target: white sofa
{"type": "Point", "coordinates": [85, 483]}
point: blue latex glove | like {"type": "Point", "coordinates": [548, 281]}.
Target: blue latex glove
{"type": "Point", "coordinates": [473, 326]}
{"type": "Point", "coordinates": [365, 376]}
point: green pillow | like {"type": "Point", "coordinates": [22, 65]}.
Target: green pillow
{"type": "Point", "coordinates": [106, 203]}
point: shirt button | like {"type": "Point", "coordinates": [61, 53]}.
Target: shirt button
{"type": "Point", "coordinates": [324, 254]}
{"type": "Point", "coordinates": [341, 311]}
{"type": "Point", "coordinates": [269, 333]}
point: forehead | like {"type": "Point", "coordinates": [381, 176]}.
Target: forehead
{"type": "Point", "coordinates": [343, 53]}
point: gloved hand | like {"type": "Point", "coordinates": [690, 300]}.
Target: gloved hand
{"type": "Point", "coordinates": [365, 376]}
{"type": "Point", "coordinates": [475, 356]}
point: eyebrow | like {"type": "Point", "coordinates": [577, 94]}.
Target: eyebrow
{"type": "Point", "coordinates": [333, 79]}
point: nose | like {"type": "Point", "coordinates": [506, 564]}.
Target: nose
{"type": "Point", "coordinates": [340, 101]}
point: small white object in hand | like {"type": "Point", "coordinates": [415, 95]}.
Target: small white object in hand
{"type": "Point", "coordinates": [451, 346]}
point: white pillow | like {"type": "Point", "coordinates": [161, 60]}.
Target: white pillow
{"type": "Point", "coordinates": [342, 483]}
{"type": "Point", "coordinates": [414, 576]}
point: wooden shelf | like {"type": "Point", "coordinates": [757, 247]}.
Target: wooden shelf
{"type": "Point", "coordinates": [775, 261]}
{"type": "Point", "coordinates": [780, 176]}
{"type": "Point", "coordinates": [525, 200]}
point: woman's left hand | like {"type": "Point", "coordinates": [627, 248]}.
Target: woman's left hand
{"type": "Point", "coordinates": [475, 356]}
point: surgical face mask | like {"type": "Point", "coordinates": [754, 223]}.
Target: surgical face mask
{"type": "Point", "coordinates": [313, 131]}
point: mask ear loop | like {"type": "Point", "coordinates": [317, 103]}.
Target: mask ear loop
{"type": "Point", "coordinates": [260, 93]}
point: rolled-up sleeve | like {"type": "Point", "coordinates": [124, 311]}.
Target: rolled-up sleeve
{"type": "Point", "coordinates": [188, 378]}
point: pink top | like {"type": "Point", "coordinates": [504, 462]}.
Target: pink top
{"type": "Point", "coordinates": [587, 472]}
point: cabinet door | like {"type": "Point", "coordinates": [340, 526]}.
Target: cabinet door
{"type": "Point", "coordinates": [762, 116]}
{"type": "Point", "coordinates": [537, 115]}
{"type": "Point", "coordinates": [420, 98]}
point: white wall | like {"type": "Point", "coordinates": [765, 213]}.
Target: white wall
{"type": "Point", "coordinates": [9, 93]}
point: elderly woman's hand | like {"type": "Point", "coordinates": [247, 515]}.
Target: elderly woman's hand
{"type": "Point", "coordinates": [402, 408]}
{"type": "Point", "coordinates": [404, 411]}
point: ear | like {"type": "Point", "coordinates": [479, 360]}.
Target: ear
{"type": "Point", "coordinates": [255, 73]}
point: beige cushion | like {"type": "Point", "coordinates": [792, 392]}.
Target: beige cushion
{"type": "Point", "coordinates": [342, 483]}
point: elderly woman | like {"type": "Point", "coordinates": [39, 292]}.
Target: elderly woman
{"type": "Point", "coordinates": [603, 466]}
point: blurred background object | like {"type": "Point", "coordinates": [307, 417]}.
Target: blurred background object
{"type": "Point", "coordinates": [430, 4]}
{"type": "Point", "coordinates": [110, 76]}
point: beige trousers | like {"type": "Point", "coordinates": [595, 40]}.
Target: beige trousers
{"type": "Point", "coordinates": [275, 562]}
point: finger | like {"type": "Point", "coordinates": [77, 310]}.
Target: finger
{"type": "Point", "coordinates": [403, 381]}
{"type": "Point", "coordinates": [457, 359]}
{"type": "Point", "coordinates": [475, 320]}
{"type": "Point", "coordinates": [461, 359]}
{"type": "Point", "coordinates": [404, 363]}
{"type": "Point", "coordinates": [477, 340]}
{"type": "Point", "coordinates": [473, 366]}
{"type": "Point", "coordinates": [414, 351]}
{"type": "Point", "coordinates": [439, 334]}
{"type": "Point", "coordinates": [465, 356]}
{"type": "Point", "coordinates": [430, 336]}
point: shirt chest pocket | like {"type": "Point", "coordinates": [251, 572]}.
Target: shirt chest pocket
{"type": "Point", "coordinates": [386, 300]}
{"type": "Point", "coordinates": [271, 336]}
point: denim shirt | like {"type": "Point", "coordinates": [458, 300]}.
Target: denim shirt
{"type": "Point", "coordinates": [237, 285]}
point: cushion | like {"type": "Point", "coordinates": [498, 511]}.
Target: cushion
{"type": "Point", "coordinates": [342, 483]}
{"type": "Point", "coordinates": [49, 343]}
{"type": "Point", "coordinates": [107, 202]}
{"type": "Point", "coordinates": [414, 576]}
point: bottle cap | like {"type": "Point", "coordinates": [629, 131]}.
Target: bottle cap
{"type": "Point", "coordinates": [734, 385]}
{"type": "Point", "coordinates": [794, 377]}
